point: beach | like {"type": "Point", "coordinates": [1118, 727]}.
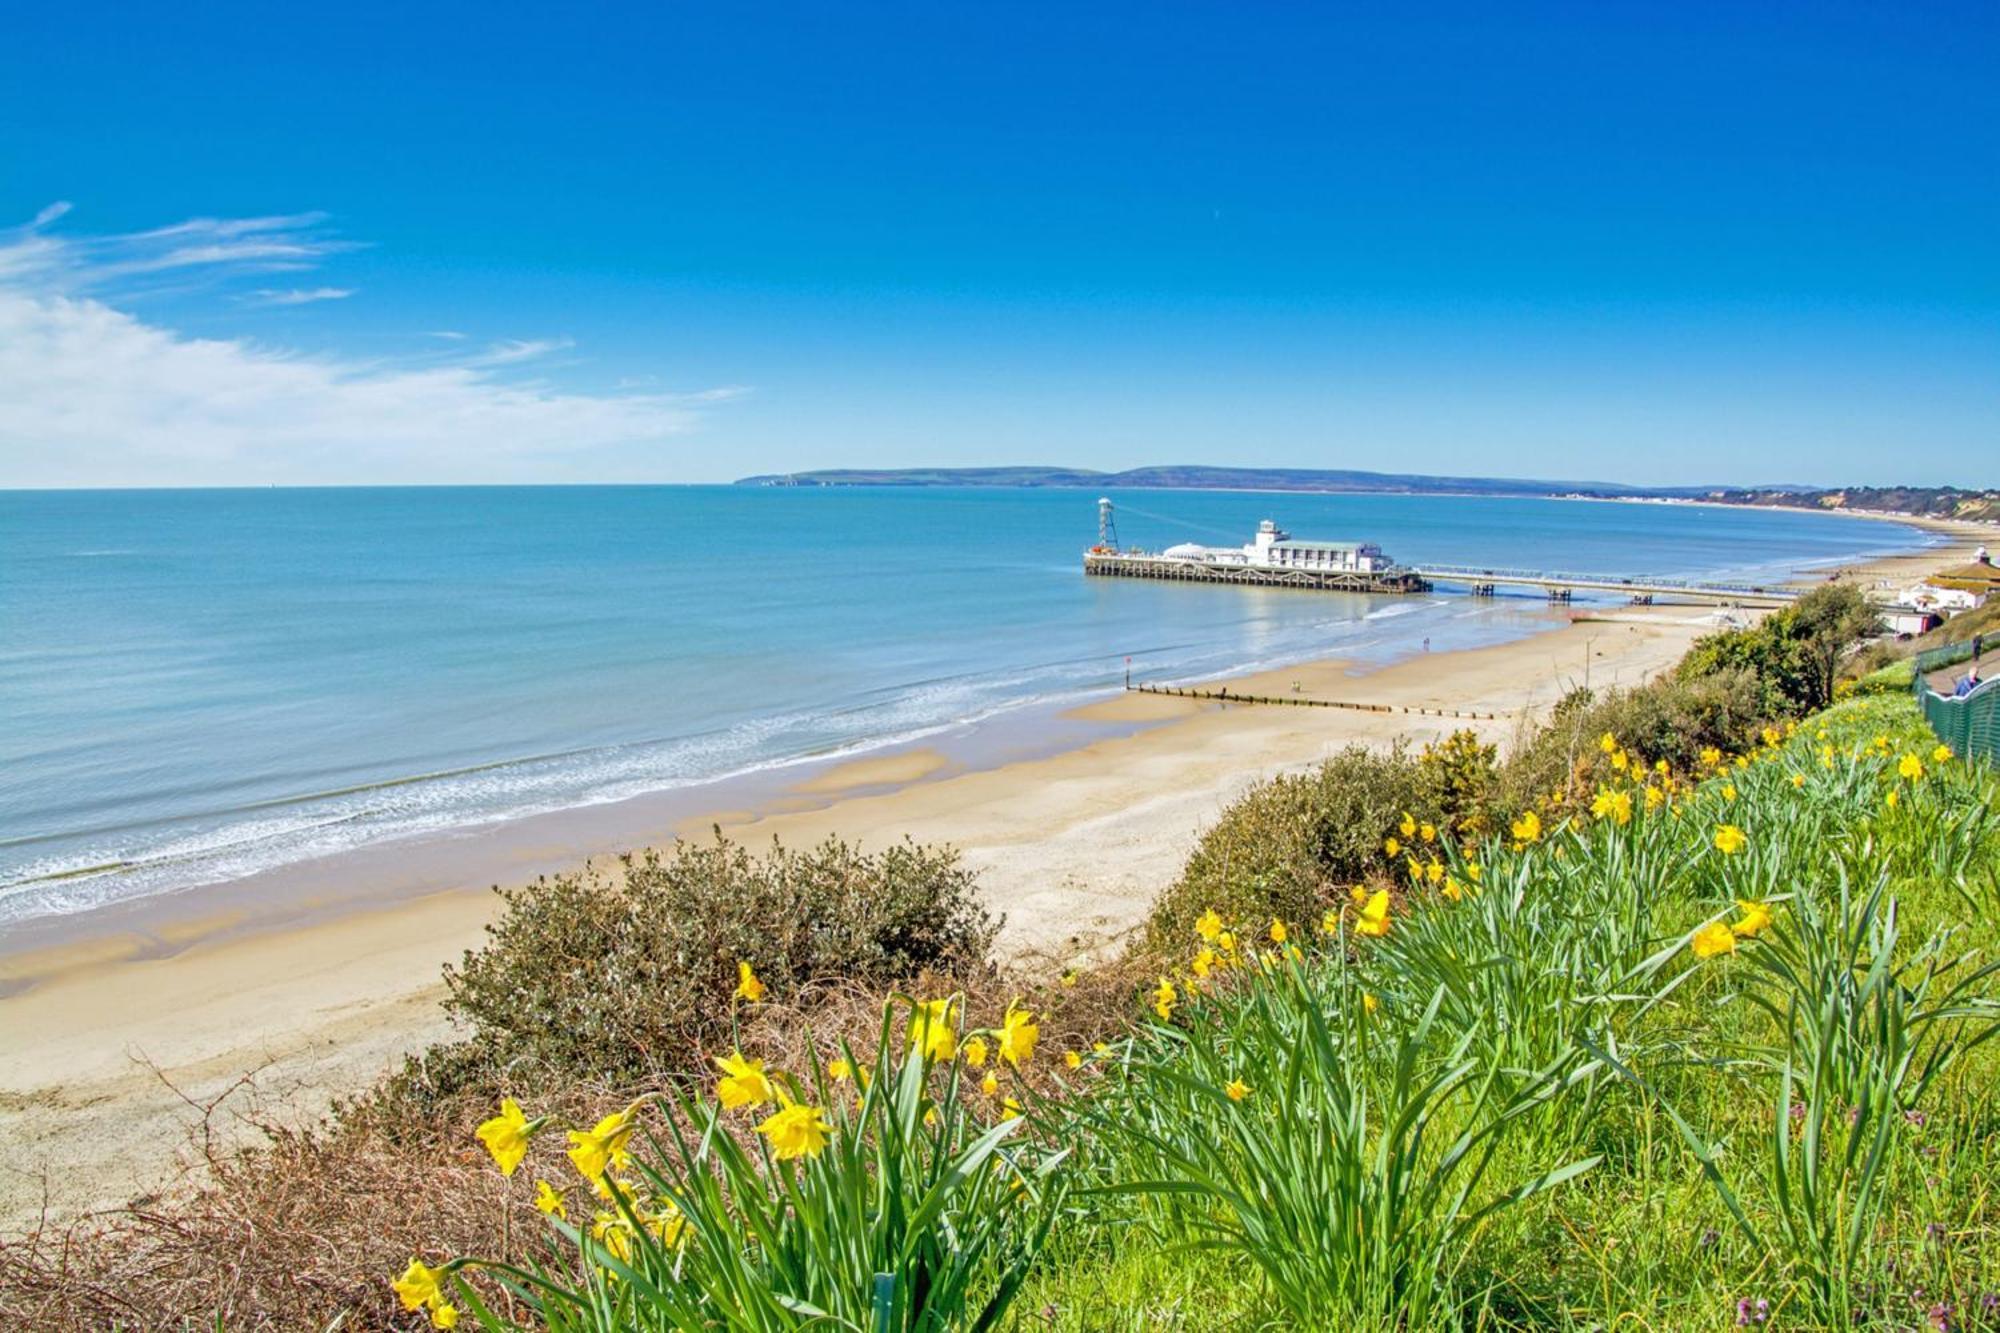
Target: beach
{"type": "Point", "coordinates": [120, 1038]}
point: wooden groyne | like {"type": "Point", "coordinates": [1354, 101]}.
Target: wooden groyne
{"type": "Point", "coordinates": [1223, 694]}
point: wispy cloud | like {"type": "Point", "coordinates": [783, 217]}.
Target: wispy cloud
{"type": "Point", "coordinates": [297, 295]}
{"type": "Point", "coordinates": [91, 394]}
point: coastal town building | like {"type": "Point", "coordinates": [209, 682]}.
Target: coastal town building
{"type": "Point", "coordinates": [1274, 548]}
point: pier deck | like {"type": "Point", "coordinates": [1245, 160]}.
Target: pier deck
{"type": "Point", "coordinates": [1129, 566]}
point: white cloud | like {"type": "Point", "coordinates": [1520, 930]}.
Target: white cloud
{"type": "Point", "coordinates": [298, 295]}
{"type": "Point", "coordinates": [91, 394]}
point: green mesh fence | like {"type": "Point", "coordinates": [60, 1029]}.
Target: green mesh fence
{"type": "Point", "coordinates": [1969, 725]}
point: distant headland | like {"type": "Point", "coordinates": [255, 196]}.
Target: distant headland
{"type": "Point", "coordinates": [1923, 501]}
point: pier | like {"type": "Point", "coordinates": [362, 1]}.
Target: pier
{"type": "Point", "coordinates": [1130, 565]}
{"type": "Point", "coordinates": [1559, 586]}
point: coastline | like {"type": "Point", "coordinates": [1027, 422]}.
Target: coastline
{"type": "Point", "coordinates": [1072, 844]}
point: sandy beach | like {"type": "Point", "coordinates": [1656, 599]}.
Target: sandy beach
{"type": "Point", "coordinates": [116, 1038]}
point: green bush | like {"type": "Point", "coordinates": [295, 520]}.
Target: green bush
{"type": "Point", "coordinates": [1282, 848]}
{"type": "Point", "coordinates": [615, 978]}
{"type": "Point", "coordinates": [1794, 653]}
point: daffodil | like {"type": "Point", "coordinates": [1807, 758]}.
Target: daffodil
{"type": "Point", "coordinates": [1890, 800]}
{"type": "Point", "coordinates": [1528, 828]}
{"type": "Point", "coordinates": [420, 1285]}
{"type": "Point", "coordinates": [1408, 828]}
{"type": "Point", "coordinates": [1277, 931]}
{"type": "Point", "coordinates": [444, 1316]}
{"type": "Point", "coordinates": [1728, 791]}
{"type": "Point", "coordinates": [1428, 832]}
{"type": "Point", "coordinates": [1391, 848]}
{"type": "Point", "coordinates": [1329, 922]}
{"type": "Point", "coordinates": [1369, 1004]}
{"type": "Point", "coordinates": [1204, 963]}
{"type": "Point", "coordinates": [1711, 757]}
{"type": "Point", "coordinates": [506, 1135]}
{"type": "Point", "coordinates": [1010, 1107]}
{"type": "Point", "coordinates": [747, 985]}
{"type": "Point", "coordinates": [1756, 916]}
{"type": "Point", "coordinates": [1941, 755]}
{"type": "Point", "coordinates": [1071, 1060]}
{"type": "Point", "coordinates": [743, 1082]}
{"type": "Point", "coordinates": [931, 1030]}
{"type": "Point", "coordinates": [1374, 919]}
{"type": "Point", "coordinates": [973, 1049]}
{"type": "Point", "coordinates": [1209, 926]}
{"type": "Point", "coordinates": [1237, 1089]}
{"type": "Point", "coordinates": [1620, 760]}
{"type": "Point", "coordinates": [667, 1224]}
{"type": "Point", "coordinates": [595, 1150]}
{"type": "Point", "coordinates": [549, 1200]}
{"type": "Point", "coordinates": [1729, 840]}
{"type": "Point", "coordinates": [1164, 996]}
{"type": "Point", "coordinates": [1713, 940]}
{"type": "Point", "coordinates": [840, 1069]}
{"type": "Point", "coordinates": [795, 1130]}
{"type": "Point", "coordinates": [1434, 872]}
{"type": "Point", "coordinates": [1911, 768]}
{"type": "Point", "coordinates": [1018, 1034]}
{"type": "Point", "coordinates": [1798, 780]}
{"type": "Point", "coordinates": [1451, 888]}
{"type": "Point", "coordinates": [990, 1084]}
{"type": "Point", "coordinates": [1607, 742]}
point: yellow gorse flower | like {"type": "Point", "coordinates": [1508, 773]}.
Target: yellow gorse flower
{"type": "Point", "coordinates": [742, 1083]}
{"type": "Point", "coordinates": [931, 1030]}
{"type": "Point", "coordinates": [1713, 940]}
{"type": "Point", "coordinates": [1374, 919]}
{"type": "Point", "coordinates": [747, 985]}
{"type": "Point", "coordinates": [1018, 1034]}
{"type": "Point", "coordinates": [795, 1130]}
{"type": "Point", "coordinates": [593, 1151]}
{"type": "Point", "coordinates": [506, 1135]}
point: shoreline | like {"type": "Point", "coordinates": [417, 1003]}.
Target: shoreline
{"type": "Point", "coordinates": [1071, 841]}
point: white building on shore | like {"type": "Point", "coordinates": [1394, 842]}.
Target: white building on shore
{"type": "Point", "coordinates": [1274, 548]}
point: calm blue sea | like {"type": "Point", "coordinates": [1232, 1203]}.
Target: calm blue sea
{"type": "Point", "coordinates": [197, 685]}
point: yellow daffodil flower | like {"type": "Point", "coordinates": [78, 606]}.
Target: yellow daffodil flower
{"type": "Point", "coordinates": [1528, 828]}
{"type": "Point", "coordinates": [1729, 840]}
{"type": "Point", "coordinates": [931, 1030]}
{"type": "Point", "coordinates": [1756, 916]}
{"type": "Point", "coordinates": [1164, 996]}
{"type": "Point", "coordinates": [1408, 828]}
{"type": "Point", "coordinates": [1941, 755]}
{"type": "Point", "coordinates": [1204, 963]}
{"type": "Point", "coordinates": [549, 1200]}
{"type": "Point", "coordinates": [990, 1084]}
{"type": "Point", "coordinates": [444, 1316]}
{"type": "Point", "coordinates": [506, 1135]}
{"type": "Point", "coordinates": [1607, 742]}
{"type": "Point", "coordinates": [1713, 940]}
{"type": "Point", "coordinates": [1018, 1034]}
{"type": "Point", "coordinates": [1329, 922]}
{"type": "Point", "coordinates": [1911, 768]}
{"type": "Point", "coordinates": [595, 1150]}
{"type": "Point", "coordinates": [1428, 832]}
{"type": "Point", "coordinates": [1374, 919]}
{"type": "Point", "coordinates": [419, 1285]}
{"type": "Point", "coordinates": [1209, 926]}
{"type": "Point", "coordinates": [747, 985]}
{"type": "Point", "coordinates": [795, 1130]}
{"type": "Point", "coordinates": [1071, 1060]}
{"type": "Point", "coordinates": [1237, 1089]}
{"type": "Point", "coordinates": [1277, 931]}
{"type": "Point", "coordinates": [973, 1049]}
{"type": "Point", "coordinates": [742, 1083]}
{"type": "Point", "coordinates": [1391, 848]}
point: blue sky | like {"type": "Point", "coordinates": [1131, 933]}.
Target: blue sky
{"type": "Point", "coordinates": [1683, 242]}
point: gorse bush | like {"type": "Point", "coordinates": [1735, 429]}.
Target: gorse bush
{"type": "Point", "coordinates": [618, 977]}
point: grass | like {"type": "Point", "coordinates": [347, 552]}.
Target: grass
{"type": "Point", "coordinates": [1621, 1070]}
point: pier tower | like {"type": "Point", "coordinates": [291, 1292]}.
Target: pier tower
{"type": "Point", "coordinates": [1107, 527]}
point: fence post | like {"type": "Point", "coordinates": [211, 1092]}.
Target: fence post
{"type": "Point", "coordinates": [885, 1302]}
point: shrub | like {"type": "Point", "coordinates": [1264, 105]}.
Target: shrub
{"type": "Point", "coordinates": [1794, 653]}
{"type": "Point", "coordinates": [616, 979]}
{"type": "Point", "coordinates": [1278, 850]}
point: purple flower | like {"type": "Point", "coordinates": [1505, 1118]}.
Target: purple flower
{"type": "Point", "coordinates": [1749, 1312]}
{"type": "Point", "coordinates": [1917, 1118]}
{"type": "Point", "coordinates": [1941, 1317]}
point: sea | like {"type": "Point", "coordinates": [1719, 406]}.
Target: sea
{"type": "Point", "coordinates": [201, 685]}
